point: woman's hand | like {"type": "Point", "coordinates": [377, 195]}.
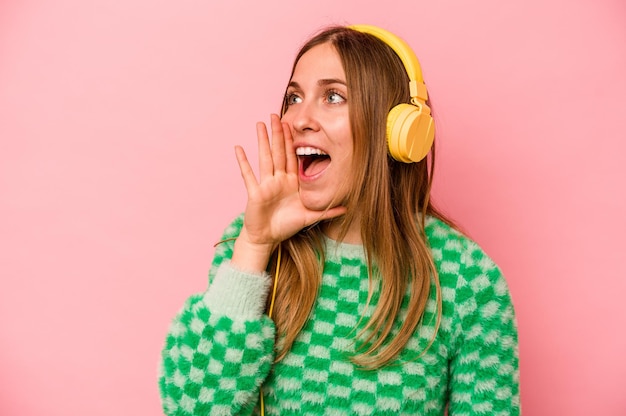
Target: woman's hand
{"type": "Point", "coordinates": [274, 211]}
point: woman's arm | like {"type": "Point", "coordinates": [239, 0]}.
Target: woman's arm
{"type": "Point", "coordinates": [219, 348]}
{"type": "Point", "coordinates": [484, 369]}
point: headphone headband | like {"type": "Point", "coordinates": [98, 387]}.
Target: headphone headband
{"type": "Point", "coordinates": [405, 53]}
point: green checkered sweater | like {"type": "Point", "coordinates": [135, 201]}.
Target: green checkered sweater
{"type": "Point", "coordinates": [220, 348]}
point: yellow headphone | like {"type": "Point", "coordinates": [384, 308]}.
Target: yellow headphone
{"type": "Point", "coordinates": [410, 127]}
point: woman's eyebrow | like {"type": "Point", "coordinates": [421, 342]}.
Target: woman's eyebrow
{"type": "Point", "coordinates": [321, 82]}
{"type": "Point", "coordinates": [327, 81]}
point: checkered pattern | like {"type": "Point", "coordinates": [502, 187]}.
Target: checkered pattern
{"type": "Point", "coordinates": [214, 363]}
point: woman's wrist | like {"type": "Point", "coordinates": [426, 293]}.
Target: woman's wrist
{"type": "Point", "coordinates": [249, 256]}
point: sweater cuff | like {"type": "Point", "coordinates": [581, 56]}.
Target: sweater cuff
{"type": "Point", "coordinates": [236, 293]}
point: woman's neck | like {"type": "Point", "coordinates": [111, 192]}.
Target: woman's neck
{"type": "Point", "coordinates": [332, 229]}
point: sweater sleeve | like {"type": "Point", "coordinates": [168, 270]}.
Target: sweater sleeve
{"type": "Point", "coordinates": [484, 368]}
{"type": "Point", "coordinates": [219, 348]}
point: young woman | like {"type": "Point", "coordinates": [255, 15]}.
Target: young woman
{"type": "Point", "coordinates": [341, 290]}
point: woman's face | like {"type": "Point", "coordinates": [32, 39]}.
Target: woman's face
{"type": "Point", "coordinates": [317, 113]}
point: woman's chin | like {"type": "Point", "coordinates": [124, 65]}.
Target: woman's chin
{"type": "Point", "coordinates": [316, 206]}
{"type": "Point", "coordinates": [316, 202]}
{"type": "Point", "coordinates": [323, 198]}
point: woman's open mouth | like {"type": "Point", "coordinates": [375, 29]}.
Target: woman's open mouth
{"type": "Point", "coordinates": [311, 161]}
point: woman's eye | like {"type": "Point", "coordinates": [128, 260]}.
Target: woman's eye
{"type": "Point", "coordinates": [292, 99]}
{"type": "Point", "coordinates": [334, 97]}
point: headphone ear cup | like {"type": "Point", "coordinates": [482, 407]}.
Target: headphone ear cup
{"type": "Point", "coordinates": [410, 132]}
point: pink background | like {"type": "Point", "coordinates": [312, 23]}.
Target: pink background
{"type": "Point", "coordinates": [117, 175]}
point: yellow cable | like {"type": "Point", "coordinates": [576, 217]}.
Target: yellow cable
{"type": "Point", "coordinates": [262, 403]}
{"type": "Point", "coordinates": [270, 312]}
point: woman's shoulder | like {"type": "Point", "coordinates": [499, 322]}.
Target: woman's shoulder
{"type": "Point", "coordinates": [460, 260]}
{"type": "Point", "coordinates": [233, 229]}
{"type": "Point", "coordinates": [230, 233]}
{"type": "Point", "coordinates": [225, 245]}
{"type": "Point", "coordinates": [446, 242]}
{"type": "Point", "coordinates": [472, 285]}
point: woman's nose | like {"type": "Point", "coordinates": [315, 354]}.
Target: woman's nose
{"type": "Point", "coordinates": [301, 117]}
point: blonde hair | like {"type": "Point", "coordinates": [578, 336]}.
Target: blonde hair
{"type": "Point", "coordinates": [393, 200]}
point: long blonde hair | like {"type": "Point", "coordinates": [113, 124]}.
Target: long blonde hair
{"type": "Point", "coordinates": [392, 199]}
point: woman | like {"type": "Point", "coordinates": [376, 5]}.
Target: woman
{"type": "Point", "coordinates": [380, 305]}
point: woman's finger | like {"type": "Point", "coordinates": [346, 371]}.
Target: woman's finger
{"type": "Point", "coordinates": [249, 179]}
{"type": "Point", "coordinates": [291, 158]}
{"type": "Point", "coordinates": [266, 165]}
{"type": "Point", "coordinates": [278, 144]}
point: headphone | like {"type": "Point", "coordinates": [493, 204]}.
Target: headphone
{"type": "Point", "coordinates": [410, 127]}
